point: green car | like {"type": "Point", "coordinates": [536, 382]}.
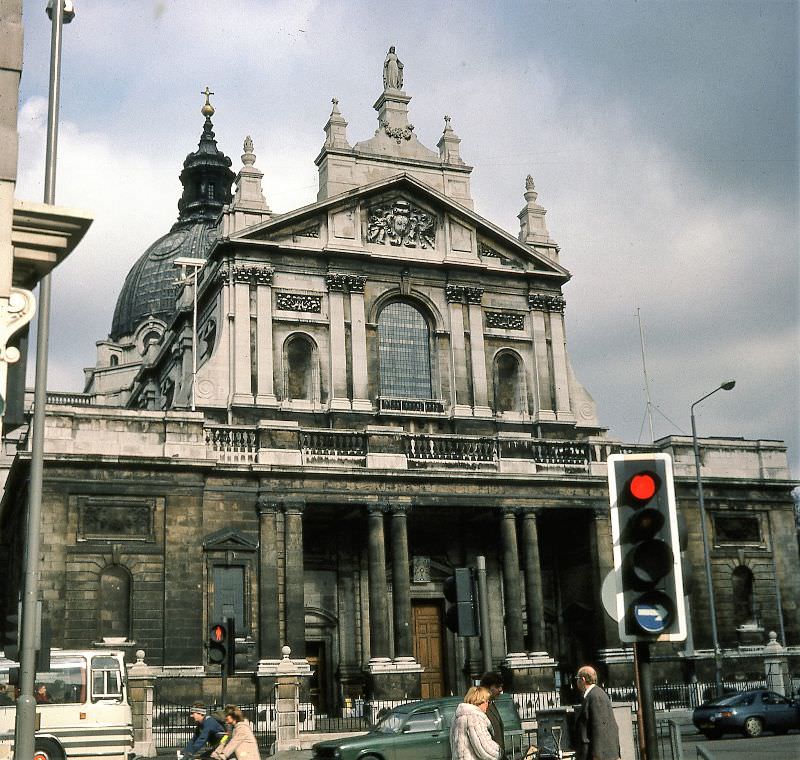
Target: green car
{"type": "Point", "coordinates": [415, 731]}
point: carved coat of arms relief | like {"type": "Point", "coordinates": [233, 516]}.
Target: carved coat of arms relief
{"type": "Point", "coordinates": [401, 223]}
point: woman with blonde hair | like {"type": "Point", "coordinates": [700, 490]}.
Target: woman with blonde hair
{"type": "Point", "coordinates": [242, 743]}
{"type": "Point", "coordinates": [470, 734]}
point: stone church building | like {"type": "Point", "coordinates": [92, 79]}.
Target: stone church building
{"type": "Point", "coordinates": [337, 406]}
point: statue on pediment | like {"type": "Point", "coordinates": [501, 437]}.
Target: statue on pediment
{"type": "Point", "coordinates": [392, 71]}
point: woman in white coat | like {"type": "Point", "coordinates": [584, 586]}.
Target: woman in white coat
{"type": "Point", "coordinates": [242, 743]}
{"type": "Point", "coordinates": [470, 733]}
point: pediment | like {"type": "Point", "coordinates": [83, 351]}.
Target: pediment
{"type": "Point", "coordinates": [228, 539]}
{"type": "Point", "coordinates": [402, 217]}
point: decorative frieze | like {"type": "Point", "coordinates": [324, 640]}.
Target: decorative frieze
{"type": "Point", "coordinates": [541, 302]}
{"type": "Point", "coordinates": [505, 320]}
{"type": "Point", "coordinates": [246, 273]}
{"type": "Point", "coordinates": [401, 223]}
{"type": "Point", "coordinates": [461, 293]}
{"type": "Point", "coordinates": [486, 252]}
{"type": "Point", "coordinates": [298, 302]}
{"type": "Point", "coordinates": [311, 231]}
{"type": "Point", "coordinates": [345, 282]}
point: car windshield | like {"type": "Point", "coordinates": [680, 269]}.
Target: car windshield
{"type": "Point", "coordinates": [389, 723]}
{"type": "Point", "coordinates": [732, 700]}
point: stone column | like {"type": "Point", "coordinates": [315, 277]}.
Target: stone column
{"type": "Point", "coordinates": [458, 352]}
{"type": "Point", "coordinates": [242, 385]}
{"type": "Point", "coordinates": [401, 583]}
{"type": "Point", "coordinates": [378, 607]}
{"type": "Point", "coordinates": [533, 582]}
{"type": "Point", "coordinates": [545, 404]}
{"type": "Point", "coordinates": [358, 341]}
{"type": "Point", "coordinates": [480, 387]}
{"type": "Point", "coordinates": [293, 585]}
{"type": "Point", "coordinates": [601, 547]}
{"type": "Point", "coordinates": [511, 582]}
{"type": "Point", "coordinates": [561, 378]}
{"type": "Point", "coordinates": [264, 349]}
{"type": "Point", "coordinates": [268, 610]}
{"type": "Point", "coordinates": [338, 356]}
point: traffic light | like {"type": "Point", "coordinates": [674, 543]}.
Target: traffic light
{"type": "Point", "coordinates": [459, 589]}
{"type": "Point", "coordinates": [11, 634]}
{"type": "Point", "coordinates": [647, 562]}
{"type": "Point", "coordinates": [219, 644]}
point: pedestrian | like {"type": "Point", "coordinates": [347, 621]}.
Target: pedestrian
{"type": "Point", "coordinates": [242, 743]}
{"type": "Point", "coordinates": [494, 682]}
{"type": "Point", "coordinates": [208, 733]}
{"type": "Point", "coordinates": [40, 695]}
{"type": "Point", "coordinates": [470, 732]}
{"type": "Point", "coordinates": [598, 734]}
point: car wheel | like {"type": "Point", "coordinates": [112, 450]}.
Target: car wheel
{"type": "Point", "coordinates": [712, 734]}
{"type": "Point", "coordinates": [47, 750]}
{"type": "Point", "coordinates": [753, 727]}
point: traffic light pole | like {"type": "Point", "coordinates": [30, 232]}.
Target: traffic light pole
{"type": "Point", "coordinates": [647, 712]}
{"type": "Point", "coordinates": [26, 704]}
{"type": "Point", "coordinates": [483, 614]}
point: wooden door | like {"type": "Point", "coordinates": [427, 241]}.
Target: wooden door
{"type": "Point", "coordinates": [426, 618]}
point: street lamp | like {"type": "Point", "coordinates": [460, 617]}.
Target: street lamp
{"type": "Point", "coordinates": [195, 265]}
{"type": "Point", "coordinates": [725, 386]}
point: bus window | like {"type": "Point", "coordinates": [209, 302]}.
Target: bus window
{"type": "Point", "coordinates": [65, 683]}
{"type": "Point", "coordinates": [106, 679]}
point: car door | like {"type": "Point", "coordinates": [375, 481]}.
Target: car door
{"type": "Point", "coordinates": [780, 714]}
{"type": "Point", "coordinates": [423, 737]}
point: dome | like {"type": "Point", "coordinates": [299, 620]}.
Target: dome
{"type": "Point", "coordinates": [150, 287]}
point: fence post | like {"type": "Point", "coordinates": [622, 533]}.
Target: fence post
{"type": "Point", "coordinates": [287, 704]}
{"type": "Point", "coordinates": [141, 683]}
{"type": "Point", "coordinates": [675, 740]}
{"type": "Point", "coordinates": [776, 666]}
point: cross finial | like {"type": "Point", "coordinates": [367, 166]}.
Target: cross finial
{"type": "Point", "coordinates": [335, 101]}
{"type": "Point", "coordinates": [207, 110]}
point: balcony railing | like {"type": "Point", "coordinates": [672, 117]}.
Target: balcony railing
{"type": "Point", "coordinates": [232, 444]}
{"type": "Point", "coordinates": [405, 405]}
{"type": "Point", "coordinates": [450, 448]}
{"type": "Point", "coordinates": [327, 445]}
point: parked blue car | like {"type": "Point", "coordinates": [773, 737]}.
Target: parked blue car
{"type": "Point", "coordinates": [749, 713]}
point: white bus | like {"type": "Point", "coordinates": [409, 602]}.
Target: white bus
{"type": "Point", "coordinates": [82, 708]}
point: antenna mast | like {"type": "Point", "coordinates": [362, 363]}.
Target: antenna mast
{"type": "Point", "coordinates": [649, 409]}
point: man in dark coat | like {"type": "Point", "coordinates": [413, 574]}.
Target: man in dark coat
{"type": "Point", "coordinates": [598, 735]}
{"type": "Point", "coordinates": [494, 682]}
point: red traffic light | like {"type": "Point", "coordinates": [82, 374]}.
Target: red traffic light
{"type": "Point", "coordinates": [218, 633]}
{"type": "Point", "coordinates": [643, 486]}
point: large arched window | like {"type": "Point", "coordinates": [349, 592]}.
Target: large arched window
{"type": "Point", "coordinates": [115, 602]}
{"type": "Point", "coordinates": [509, 385]}
{"type": "Point", "coordinates": [744, 611]}
{"type": "Point", "coordinates": [405, 360]}
{"type": "Point", "coordinates": [301, 383]}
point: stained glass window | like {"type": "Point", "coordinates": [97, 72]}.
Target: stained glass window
{"type": "Point", "coordinates": [404, 352]}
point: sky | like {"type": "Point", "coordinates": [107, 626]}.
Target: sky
{"type": "Point", "coordinates": [662, 137]}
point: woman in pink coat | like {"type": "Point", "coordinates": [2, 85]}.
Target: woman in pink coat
{"type": "Point", "coordinates": [242, 745]}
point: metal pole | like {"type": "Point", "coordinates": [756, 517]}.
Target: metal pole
{"type": "Point", "coordinates": [706, 556]}
{"type": "Point", "coordinates": [26, 704]}
{"type": "Point", "coordinates": [483, 612]}
{"type": "Point", "coordinates": [646, 704]}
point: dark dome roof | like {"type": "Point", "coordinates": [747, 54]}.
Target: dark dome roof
{"type": "Point", "coordinates": [150, 288]}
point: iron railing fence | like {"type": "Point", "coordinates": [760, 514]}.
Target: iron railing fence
{"type": "Point", "coordinates": [675, 696]}
{"type": "Point", "coordinates": [174, 729]}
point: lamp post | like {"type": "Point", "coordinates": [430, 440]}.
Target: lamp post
{"type": "Point", "coordinates": [195, 265]}
{"type": "Point", "coordinates": [725, 386]}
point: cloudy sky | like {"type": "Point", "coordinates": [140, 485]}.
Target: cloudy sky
{"type": "Point", "coordinates": [662, 136]}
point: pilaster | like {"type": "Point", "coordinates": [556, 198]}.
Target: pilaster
{"type": "Point", "coordinates": [242, 384]}
{"type": "Point", "coordinates": [460, 390]}
{"type": "Point", "coordinates": [265, 388]}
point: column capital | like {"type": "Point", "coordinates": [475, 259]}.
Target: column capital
{"type": "Point", "coordinates": [341, 282]}
{"type": "Point", "coordinates": [461, 293]}
{"type": "Point", "coordinates": [294, 506]}
{"type": "Point", "coordinates": [377, 507]}
{"type": "Point", "coordinates": [243, 273]}
{"type": "Point", "coordinates": [266, 505]}
{"type": "Point", "coordinates": [544, 302]}
{"type": "Point", "coordinates": [510, 512]}
{"type": "Point", "coordinates": [398, 509]}
{"type": "Point", "coordinates": [529, 513]}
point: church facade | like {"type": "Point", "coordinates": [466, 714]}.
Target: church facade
{"type": "Point", "coordinates": [337, 407]}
